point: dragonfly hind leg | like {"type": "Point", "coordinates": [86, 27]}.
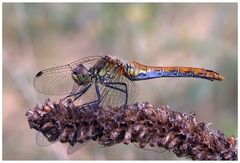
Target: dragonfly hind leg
{"type": "Point", "coordinates": [94, 104]}
{"type": "Point", "coordinates": [113, 85]}
{"type": "Point", "coordinates": [76, 95]}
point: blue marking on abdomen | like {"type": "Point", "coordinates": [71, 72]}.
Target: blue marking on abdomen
{"type": "Point", "coordinates": [148, 75]}
{"type": "Point", "coordinates": [159, 74]}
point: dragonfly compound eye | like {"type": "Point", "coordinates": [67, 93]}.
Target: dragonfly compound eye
{"type": "Point", "coordinates": [80, 74]}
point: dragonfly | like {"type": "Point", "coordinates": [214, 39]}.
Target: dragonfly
{"type": "Point", "coordinates": [98, 81]}
{"type": "Point", "coordinates": [104, 80]}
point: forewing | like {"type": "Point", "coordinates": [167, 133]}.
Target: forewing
{"type": "Point", "coordinates": [54, 81]}
{"type": "Point", "coordinates": [58, 80]}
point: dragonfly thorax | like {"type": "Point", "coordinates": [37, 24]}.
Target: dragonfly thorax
{"type": "Point", "coordinates": [80, 75]}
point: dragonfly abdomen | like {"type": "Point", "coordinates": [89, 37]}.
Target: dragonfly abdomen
{"type": "Point", "coordinates": [137, 71]}
{"type": "Point", "coordinates": [191, 72]}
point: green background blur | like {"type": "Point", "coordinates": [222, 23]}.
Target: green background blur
{"type": "Point", "coordinates": [39, 36]}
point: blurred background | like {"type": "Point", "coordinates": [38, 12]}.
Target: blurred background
{"type": "Point", "coordinates": [39, 36]}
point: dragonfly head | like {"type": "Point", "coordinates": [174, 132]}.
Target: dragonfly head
{"type": "Point", "coordinates": [80, 75]}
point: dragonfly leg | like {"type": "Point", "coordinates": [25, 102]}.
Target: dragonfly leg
{"type": "Point", "coordinates": [95, 103]}
{"type": "Point", "coordinates": [122, 90]}
{"type": "Point", "coordinates": [125, 91]}
{"type": "Point", "coordinates": [77, 94]}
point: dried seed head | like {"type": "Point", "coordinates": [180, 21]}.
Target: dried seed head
{"type": "Point", "coordinates": [141, 123]}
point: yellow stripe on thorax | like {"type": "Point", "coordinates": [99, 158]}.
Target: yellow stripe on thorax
{"type": "Point", "coordinates": [105, 69]}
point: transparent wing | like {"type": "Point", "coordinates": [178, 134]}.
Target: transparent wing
{"type": "Point", "coordinates": [58, 80]}
{"type": "Point", "coordinates": [87, 61]}
{"type": "Point", "coordinates": [75, 147]}
{"type": "Point", "coordinates": [88, 96]}
{"type": "Point", "coordinates": [109, 96]}
{"type": "Point", "coordinates": [54, 81]}
{"type": "Point", "coordinates": [41, 140]}
{"type": "Point", "coordinates": [116, 98]}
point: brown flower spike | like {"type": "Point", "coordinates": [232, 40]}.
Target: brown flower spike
{"type": "Point", "coordinates": [141, 123]}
